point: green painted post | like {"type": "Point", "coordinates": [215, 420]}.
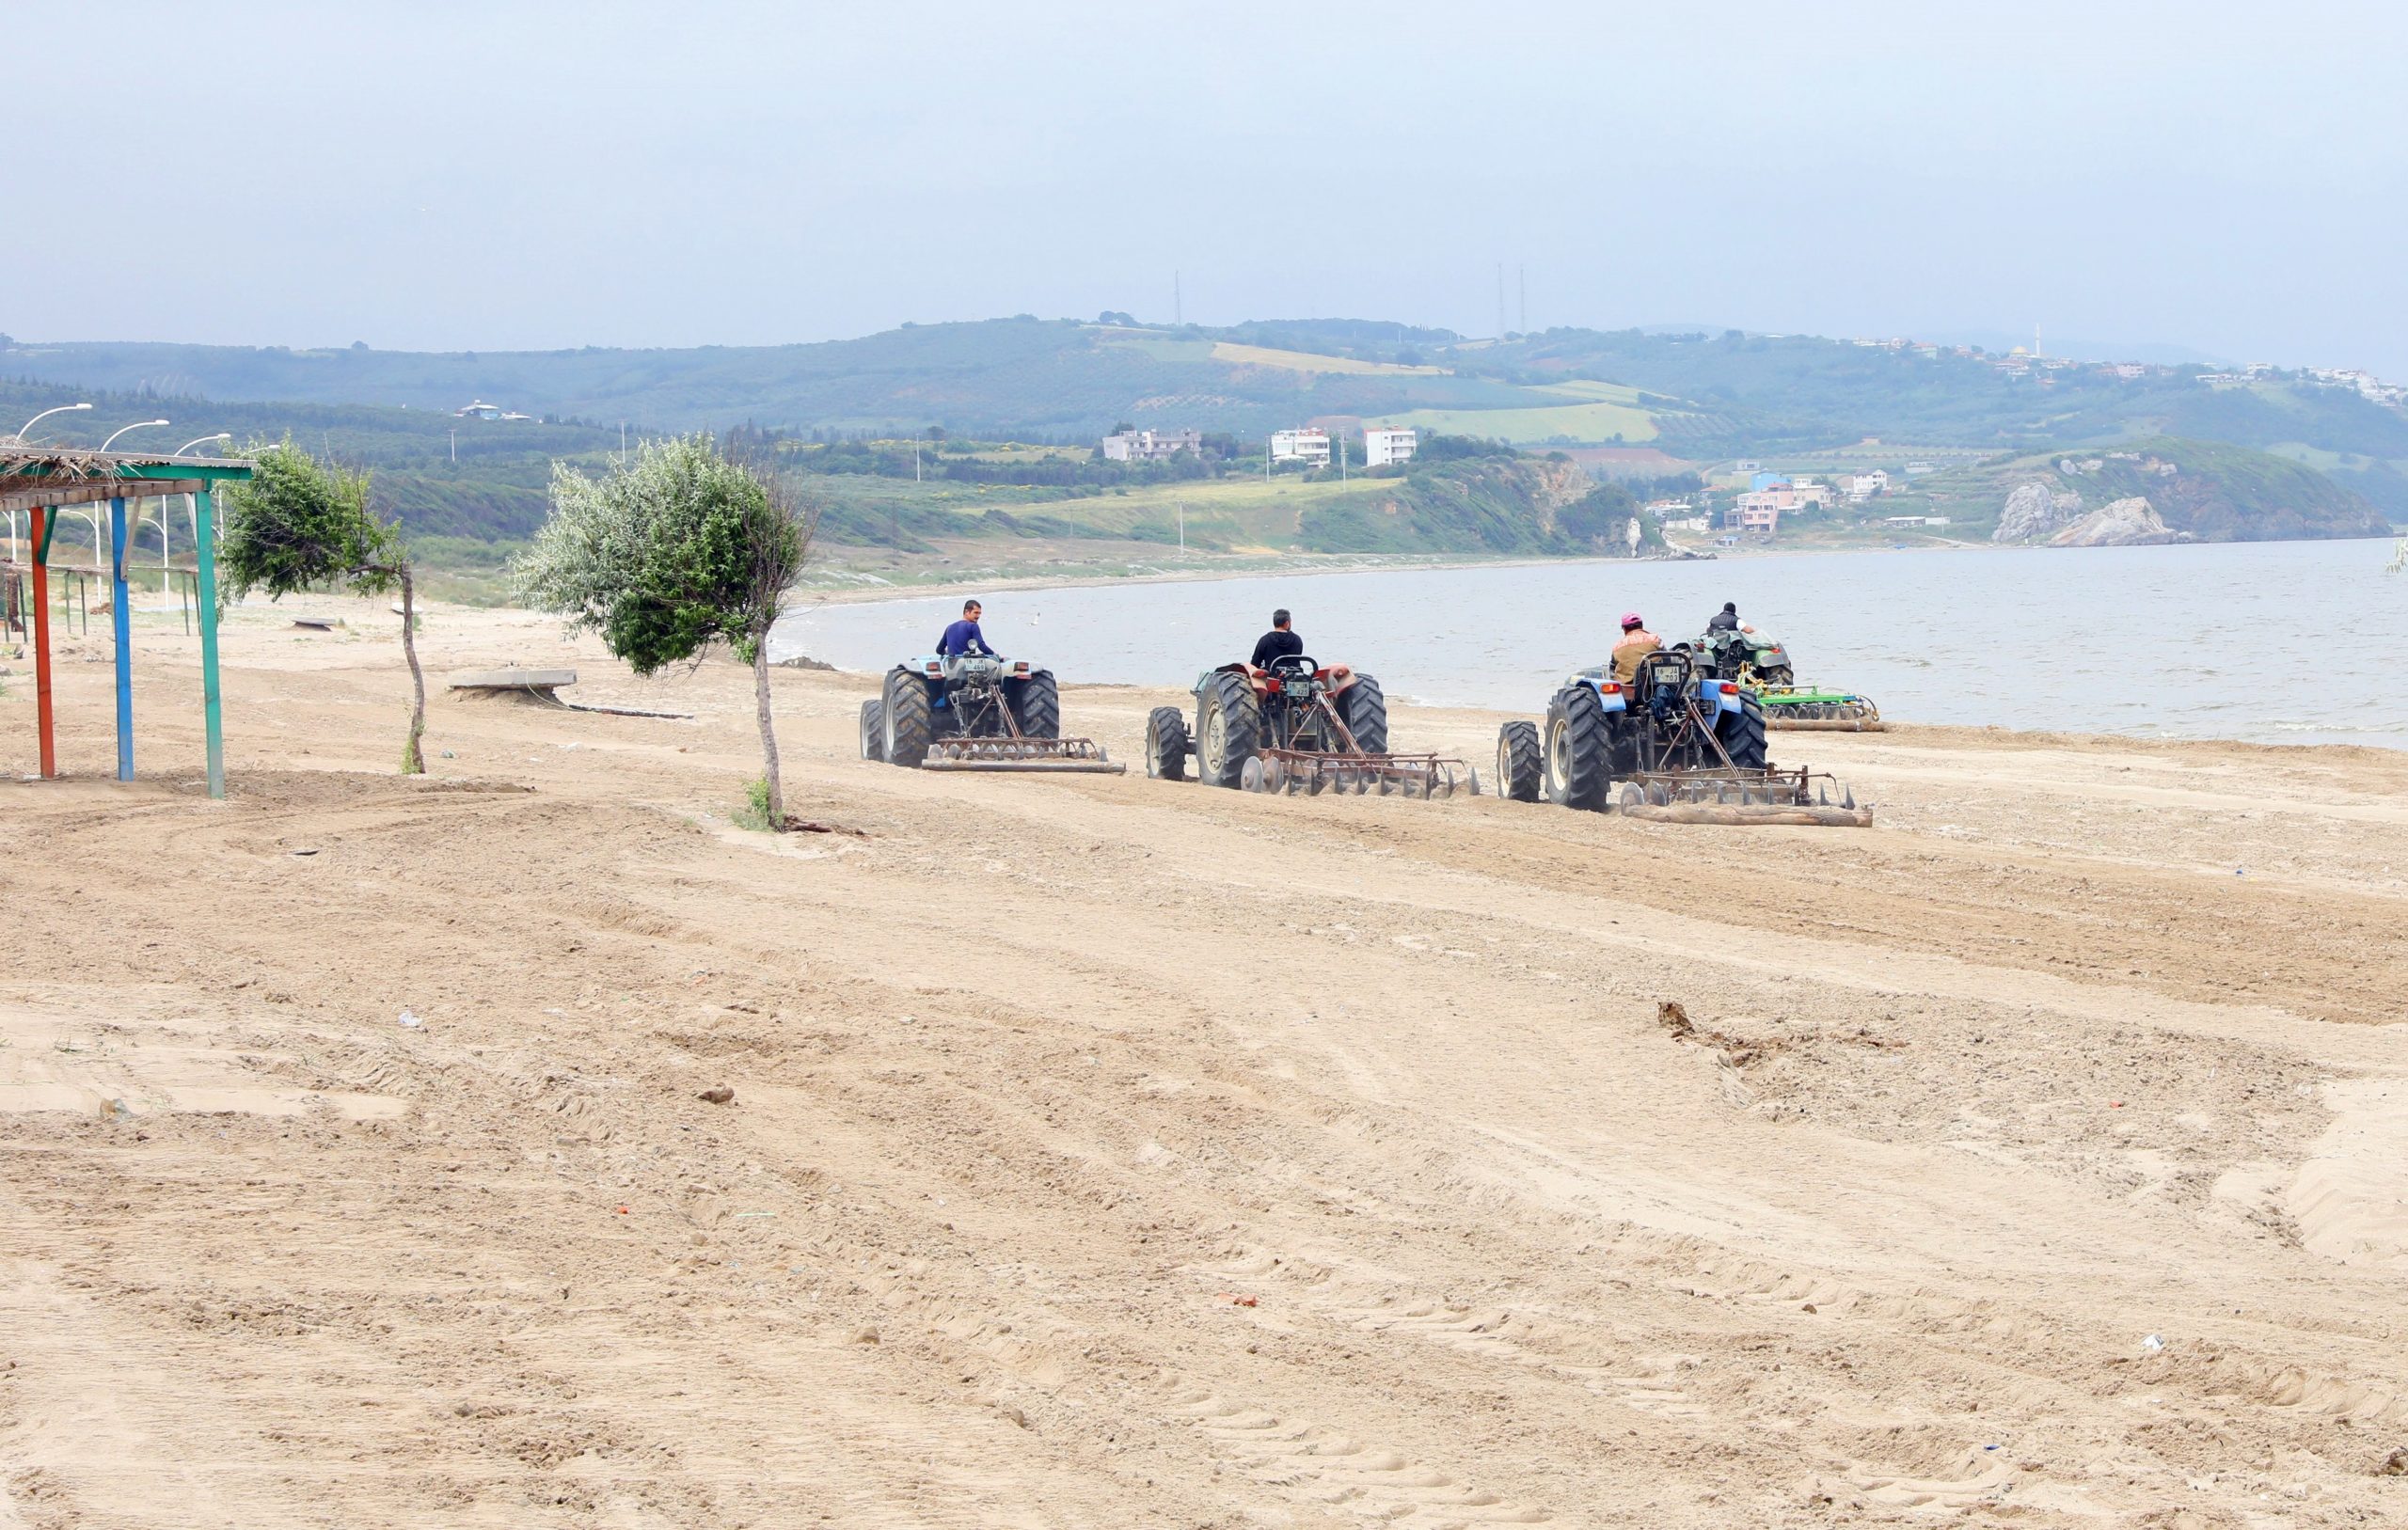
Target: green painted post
{"type": "Point", "coordinates": [204, 516]}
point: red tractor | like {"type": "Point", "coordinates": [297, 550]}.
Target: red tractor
{"type": "Point", "coordinates": [1298, 726]}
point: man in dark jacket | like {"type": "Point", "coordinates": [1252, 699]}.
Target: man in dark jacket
{"type": "Point", "coordinates": [1278, 643]}
{"type": "Point", "coordinates": [1725, 620]}
{"type": "Point", "coordinates": [963, 636]}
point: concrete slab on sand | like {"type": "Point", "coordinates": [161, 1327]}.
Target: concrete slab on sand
{"type": "Point", "coordinates": [513, 678]}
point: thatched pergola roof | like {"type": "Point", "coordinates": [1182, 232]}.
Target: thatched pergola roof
{"type": "Point", "coordinates": [34, 475]}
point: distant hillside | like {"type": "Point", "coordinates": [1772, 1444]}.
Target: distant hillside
{"type": "Point", "coordinates": [1699, 397]}
{"type": "Point", "coordinates": [494, 491]}
{"type": "Point", "coordinates": [2209, 490]}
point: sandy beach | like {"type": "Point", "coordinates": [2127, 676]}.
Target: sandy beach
{"type": "Point", "coordinates": [1105, 1152]}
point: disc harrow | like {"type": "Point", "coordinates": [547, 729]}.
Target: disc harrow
{"type": "Point", "coordinates": [1303, 772]}
{"type": "Point", "coordinates": [1060, 755]}
{"type": "Point", "coordinates": [1831, 711]}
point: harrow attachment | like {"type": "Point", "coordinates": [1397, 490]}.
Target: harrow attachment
{"type": "Point", "coordinates": [1058, 755]}
{"type": "Point", "coordinates": [1740, 797]}
{"type": "Point", "coordinates": [1832, 711]}
{"type": "Point", "coordinates": [1306, 773]}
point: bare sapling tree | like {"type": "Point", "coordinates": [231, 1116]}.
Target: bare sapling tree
{"type": "Point", "coordinates": [670, 550]}
{"type": "Point", "coordinates": [302, 524]}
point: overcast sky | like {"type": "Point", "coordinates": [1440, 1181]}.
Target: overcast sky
{"type": "Point", "coordinates": [2231, 178]}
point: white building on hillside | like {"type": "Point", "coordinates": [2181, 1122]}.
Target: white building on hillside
{"type": "Point", "coordinates": [1382, 446]}
{"type": "Point", "coordinates": [1305, 446]}
{"type": "Point", "coordinates": [1150, 445]}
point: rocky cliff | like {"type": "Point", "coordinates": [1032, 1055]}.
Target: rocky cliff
{"type": "Point", "coordinates": [2207, 491]}
{"type": "Point", "coordinates": [2126, 523]}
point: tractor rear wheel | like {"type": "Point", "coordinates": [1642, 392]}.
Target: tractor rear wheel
{"type": "Point", "coordinates": [1521, 765]}
{"type": "Point", "coordinates": [1229, 730]}
{"type": "Point", "coordinates": [1742, 734]}
{"type": "Point", "coordinates": [1774, 675]}
{"type": "Point", "coordinates": [1166, 744]}
{"type": "Point", "coordinates": [1037, 705]}
{"type": "Point", "coordinates": [909, 723]}
{"type": "Point", "coordinates": [1366, 714]}
{"type": "Point", "coordinates": [1578, 749]}
{"type": "Point", "coordinates": [872, 730]}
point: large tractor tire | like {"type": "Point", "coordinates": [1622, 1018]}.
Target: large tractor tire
{"type": "Point", "coordinates": [874, 729]}
{"type": "Point", "coordinates": [1166, 744]}
{"type": "Point", "coordinates": [1578, 749]}
{"type": "Point", "coordinates": [1521, 762]}
{"type": "Point", "coordinates": [1776, 674]}
{"type": "Point", "coordinates": [1366, 714]}
{"type": "Point", "coordinates": [1229, 730]}
{"type": "Point", "coordinates": [1037, 705]}
{"type": "Point", "coordinates": [1742, 734]}
{"type": "Point", "coordinates": [910, 724]}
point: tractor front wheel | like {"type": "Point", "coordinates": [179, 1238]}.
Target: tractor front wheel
{"type": "Point", "coordinates": [1366, 709]}
{"type": "Point", "coordinates": [910, 724]}
{"type": "Point", "coordinates": [1038, 707]}
{"type": "Point", "coordinates": [1166, 744]}
{"type": "Point", "coordinates": [1742, 734]}
{"type": "Point", "coordinates": [1578, 749]}
{"type": "Point", "coordinates": [1229, 730]}
{"type": "Point", "coordinates": [1521, 765]}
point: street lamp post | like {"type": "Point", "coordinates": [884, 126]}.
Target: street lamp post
{"type": "Point", "coordinates": [62, 409]}
{"type": "Point", "coordinates": [139, 424]}
{"type": "Point", "coordinates": [192, 510]}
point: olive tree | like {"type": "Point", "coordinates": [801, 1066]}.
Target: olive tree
{"type": "Point", "coordinates": [670, 550]}
{"type": "Point", "coordinates": [302, 524]}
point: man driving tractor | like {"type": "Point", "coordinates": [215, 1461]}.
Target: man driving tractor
{"type": "Point", "coordinates": [964, 638]}
{"type": "Point", "coordinates": [1636, 643]}
{"type": "Point", "coordinates": [1279, 643]}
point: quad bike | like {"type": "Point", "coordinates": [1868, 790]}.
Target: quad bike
{"type": "Point", "coordinates": [1293, 727]}
{"type": "Point", "coordinates": [1677, 741]}
{"type": "Point", "coordinates": [975, 712]}
{"type": "Point", "coordinates": [1762, 666]}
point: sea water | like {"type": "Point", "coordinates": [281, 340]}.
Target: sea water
{"type": "Point", "coordinates": [2298, 642]}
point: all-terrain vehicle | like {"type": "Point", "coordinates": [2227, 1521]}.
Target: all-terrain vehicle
{"type": "Point", "coordinates": [1675, 734]}
{"type": "Point", "coordinates": [1762, 666]}
{"type": "Point", "coordinates": [1298, 726]}
{"type": "Point", "coordinates": [975, 712]}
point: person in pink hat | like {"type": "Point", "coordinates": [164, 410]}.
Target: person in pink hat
{"type": "Point", "coordinates": [1636, 643]}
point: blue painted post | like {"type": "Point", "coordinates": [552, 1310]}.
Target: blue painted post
{"type": "Point", "coordinates": [122, 626]}
{"type": "Point", "coordinates": [204, 535]}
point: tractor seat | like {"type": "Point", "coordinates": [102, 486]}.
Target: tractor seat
{"type": "Point", "coordinates": [1295, 665]}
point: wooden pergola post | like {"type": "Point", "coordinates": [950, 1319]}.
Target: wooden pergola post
{"type": "Point", "coordinates": [121, 628]}
{"type": "Point", "coordinates": [204, 528]}
{"type": "Point", "coordinates": [42, 720]}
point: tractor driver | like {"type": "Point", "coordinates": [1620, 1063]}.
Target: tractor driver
{"type": "Point", "coordinates": [1279, 643]}
{"type": "Point", "coordinates": [964, 638]}
{"type": "Point", "coordinates": [1636, 643]}
{"type": "Point", "coordinates": [1725, 620]}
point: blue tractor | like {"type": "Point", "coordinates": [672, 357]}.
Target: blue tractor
{"type": "Point", "coordinates": [973, 711]}
{"type": "Point", "coordinates": [1675, 732]}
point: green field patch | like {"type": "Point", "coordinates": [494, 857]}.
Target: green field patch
{"type": "Point", "coordinates": [1577, 423]}
{"type": "Point", "coordinates": [1591, 389]}
{"type": "Point", "coordinates": [1234, 354]}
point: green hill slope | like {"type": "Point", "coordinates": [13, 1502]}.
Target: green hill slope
{"type": "Point", "coordinates": [2211, 490]}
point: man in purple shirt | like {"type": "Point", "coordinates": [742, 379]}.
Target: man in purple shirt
{"type": "Point", "coordinates": [963, 636]}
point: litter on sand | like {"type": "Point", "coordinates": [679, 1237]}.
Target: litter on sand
{"type": "Point", "coordinates": [410, 1019]}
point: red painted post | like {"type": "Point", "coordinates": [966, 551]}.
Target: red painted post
{"type": "Point", "coordinates": [41, 645]}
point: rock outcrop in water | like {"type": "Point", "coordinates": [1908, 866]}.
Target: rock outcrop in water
{"type": "Point", "coordinates": [2035, 510]}
{"type": "Point", "coordinates": [2126, 523]}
